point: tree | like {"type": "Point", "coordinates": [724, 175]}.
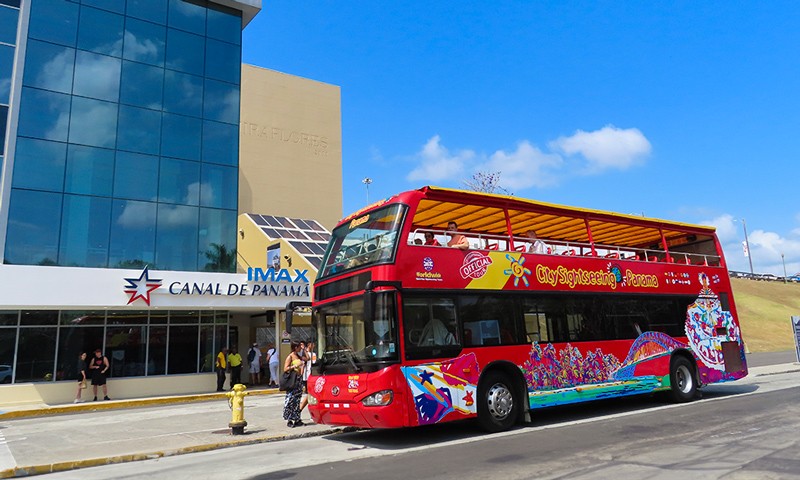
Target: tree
{"type": "Point", "coordinates": [220, 259]}
{"type": "Point", "coordinates": [487, 182]}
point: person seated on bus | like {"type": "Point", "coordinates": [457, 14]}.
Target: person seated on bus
{"type": "Point", "coordinates": [417, 241]}
{"type": "Point", "coordinates": [457, 240]}
{"type": "Point", "coordinates": [435, 332]}
{"type": "Point", "coordinates": [431, 240]}
{"type": "Point", "coordinates": [536, 246]}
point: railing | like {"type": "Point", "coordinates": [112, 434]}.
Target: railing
{"type": "Point", "coordinates": [479, 241]}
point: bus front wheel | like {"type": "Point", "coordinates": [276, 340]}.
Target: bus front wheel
{"type": "Point", "coordinates": [682, 380]}
{"type": "Point", "coordinates": [497, 408]}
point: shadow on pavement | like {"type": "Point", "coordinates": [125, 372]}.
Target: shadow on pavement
{"type": "Point", "coordinates": [396, 439]}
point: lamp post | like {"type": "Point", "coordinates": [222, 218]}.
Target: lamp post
{"type": "Point", "coordinates": [367, 181]}
{"type": "Point", "coordinates": [747, 245]}
{"type": "Point", "coordinates": [784, 267]}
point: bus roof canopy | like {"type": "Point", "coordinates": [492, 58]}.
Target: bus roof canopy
{"type": "Point", "coordinates": [484, 212]}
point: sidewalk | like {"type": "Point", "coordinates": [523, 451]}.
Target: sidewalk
{"type": "Point", "coordinates": [44, 439]}
{"type": "Point", "coordinates": [36, 440]}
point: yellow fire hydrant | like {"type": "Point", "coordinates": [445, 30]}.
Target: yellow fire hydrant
{"type": "Point", "coordinates": [236, 403]}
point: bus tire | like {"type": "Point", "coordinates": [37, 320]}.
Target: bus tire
{"type": "Point", "coordinates": [497, 408]}
{"type": "Point", "coordinates": [682, 380]}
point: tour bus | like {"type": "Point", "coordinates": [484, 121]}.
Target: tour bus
{"type": "Point", "coordinates": [540, 305]}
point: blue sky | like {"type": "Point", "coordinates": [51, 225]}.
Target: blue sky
{"type": "Point", "coordinates": [685, 111]}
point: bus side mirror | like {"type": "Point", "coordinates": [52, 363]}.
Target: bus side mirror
{"type": "Point", "coordinates": [290, 311]}
{"type": "Point", "coordinates": [369, 304]}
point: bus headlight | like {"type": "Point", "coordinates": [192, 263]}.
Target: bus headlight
{"type": "Point", "coordinates": [312, 400]}
{"type": "Point", "coordinates": [379, 399]}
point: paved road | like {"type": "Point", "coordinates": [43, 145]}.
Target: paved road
{"type": "Point", "coordinates": [771, 358]}
{"type": "Point", "coordinates": [742, 430]}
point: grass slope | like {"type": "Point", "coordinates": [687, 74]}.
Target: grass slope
{"type": "Point", "coordinates": [765, 310]}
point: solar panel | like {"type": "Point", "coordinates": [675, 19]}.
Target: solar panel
{"type": "Point", "coordinates": [307, 237]}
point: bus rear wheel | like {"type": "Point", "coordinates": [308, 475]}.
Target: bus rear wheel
{"type": "Point", "coordinates": [497, 408]}
{"type": "Point", "coordinates": [682, 380]}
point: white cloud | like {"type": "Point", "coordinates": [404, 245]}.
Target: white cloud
{"type": "Point", "coordinates": [727, 229]}
{"type": "Point", "coordinates": [529, 166]}
{"type": "Point", "coordinates": [137, 215]}
{"type": "Point", "coordinates": [437, 164]}
{"type": "Point", "coordinates": [607, 148]}
{"type": "Point", "coordinates": [525, 167]}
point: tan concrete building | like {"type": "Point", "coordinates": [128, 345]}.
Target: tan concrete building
{"type": "Point", "coordinates": [290, 151]}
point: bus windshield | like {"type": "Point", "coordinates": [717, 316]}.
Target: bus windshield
{"type": "Point", "coordinates": [347, 340]}
{"type": "Point", "coordinates": [365, 240]}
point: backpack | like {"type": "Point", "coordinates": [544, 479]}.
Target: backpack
{"type": "Point", "coordinates": [251, 355]}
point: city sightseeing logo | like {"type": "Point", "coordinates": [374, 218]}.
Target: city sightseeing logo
{"type": "Point", "coordinates": [475, 265]}
{"type": "Point", "coordinates": [141, 287]}
{"type": "Point", "coordinates": [518, 270]}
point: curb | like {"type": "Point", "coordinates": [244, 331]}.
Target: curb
{"type": "Point", "coordinates": [793, 370]}
{"type": "Point", "coordinates": [115, 404]}
{"type": "Point", "coordinates": [135, 457]}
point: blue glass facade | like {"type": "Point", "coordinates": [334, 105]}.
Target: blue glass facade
{"type": "Point", "coordinates": [9, 19]}
{"type": "Point", "coordinates": [126, 150]}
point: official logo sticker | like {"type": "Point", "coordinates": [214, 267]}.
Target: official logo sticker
{"type": "Point", "coordinates": [319, 385]}
{"type": "Point", "coordinates": [475, 265]}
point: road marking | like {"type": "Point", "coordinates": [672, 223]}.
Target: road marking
{"type": "Point", "coordinates": [7, 460]}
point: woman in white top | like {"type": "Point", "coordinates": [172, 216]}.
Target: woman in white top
{"type": "Point", "coordinates": [309, 358]}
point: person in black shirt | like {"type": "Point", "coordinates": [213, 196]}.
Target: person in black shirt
{"type": "Point", "coordinates": [99, 366]}
{"type": "Point", "coordinates": [81, 376]}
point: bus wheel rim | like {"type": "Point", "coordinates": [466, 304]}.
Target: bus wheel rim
{"type": "Point", "coordinates": [684, 379]}
{"type": "Point", "coordinates": [499, 401]}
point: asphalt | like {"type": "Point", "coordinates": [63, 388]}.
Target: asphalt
{"type": "Point", "coordinates": [44, 439]}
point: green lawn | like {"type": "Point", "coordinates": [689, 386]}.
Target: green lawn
{"type": "Point", "coordinates": [765, 310]}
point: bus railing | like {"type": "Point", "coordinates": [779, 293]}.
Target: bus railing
{"type": "Point", "coordinates": [483, 241]}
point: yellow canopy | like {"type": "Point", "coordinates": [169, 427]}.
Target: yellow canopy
{"type": "Point", "coordinates": [485, 213]}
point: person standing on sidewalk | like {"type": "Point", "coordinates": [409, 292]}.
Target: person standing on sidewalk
{"type": "Point", "coordinates": [309, 359]}
{"type": "Point", "coordinates": [291, 404]}
{"type": "Point", "coordinates": [221, 365]}
{"type": "Point", "coordinates": [254, 358]}
{"type": "Point", "coordinates": [98, 367]}
{"type": "Point", "coordinates": [81, 376]}
{"type": "Point", "coordinates": [272, 362]}
{"type": "Point", "coordinates": [235, 362]}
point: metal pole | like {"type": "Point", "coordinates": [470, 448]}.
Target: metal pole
{"type": "Point", "coordinates": [366, 182]}
{"type": "Point", "coordinates": [747, 244]}
{"type": "Point", "coordinates": [784, 267]}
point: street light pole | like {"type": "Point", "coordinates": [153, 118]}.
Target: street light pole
{"type": "Point", "coordinates": [367, 181]}
{"type": "Point", "coordinates": [747, 244]}
{"type": "Point", "coordinates": [784, 267]}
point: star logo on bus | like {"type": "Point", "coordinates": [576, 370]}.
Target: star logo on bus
{"type": "Point", "coordinates": [141, 287]}
{"type": "Point", "coordinates": [518, 270]}
{"type": "Point", "coordinates": [426, 376]}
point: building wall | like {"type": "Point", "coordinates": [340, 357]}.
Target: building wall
{"type": "Point", "coordinates": [290, 154]}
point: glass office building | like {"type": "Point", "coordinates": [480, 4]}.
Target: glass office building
{"type": "Point", "coordinates": [126, 147]}
{"type": "Point", "coordinates": [119, 148]}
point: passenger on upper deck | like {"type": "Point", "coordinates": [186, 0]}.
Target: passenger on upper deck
{"type": "Point", "coordinates": [456, 239]}
{"type": "Point", "coordinates": [430, 240]}
{"type": "Point", "coordinates": [536, 246]}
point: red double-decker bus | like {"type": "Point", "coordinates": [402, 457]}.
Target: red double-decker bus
{"type": "Point", "coordinates": [539, 305]}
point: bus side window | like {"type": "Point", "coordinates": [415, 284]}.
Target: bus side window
{"type": "Point", "coordinates": [536, 320]}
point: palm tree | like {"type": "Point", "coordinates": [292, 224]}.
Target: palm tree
{"type": "Point", "coordinates": [220, 259]}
